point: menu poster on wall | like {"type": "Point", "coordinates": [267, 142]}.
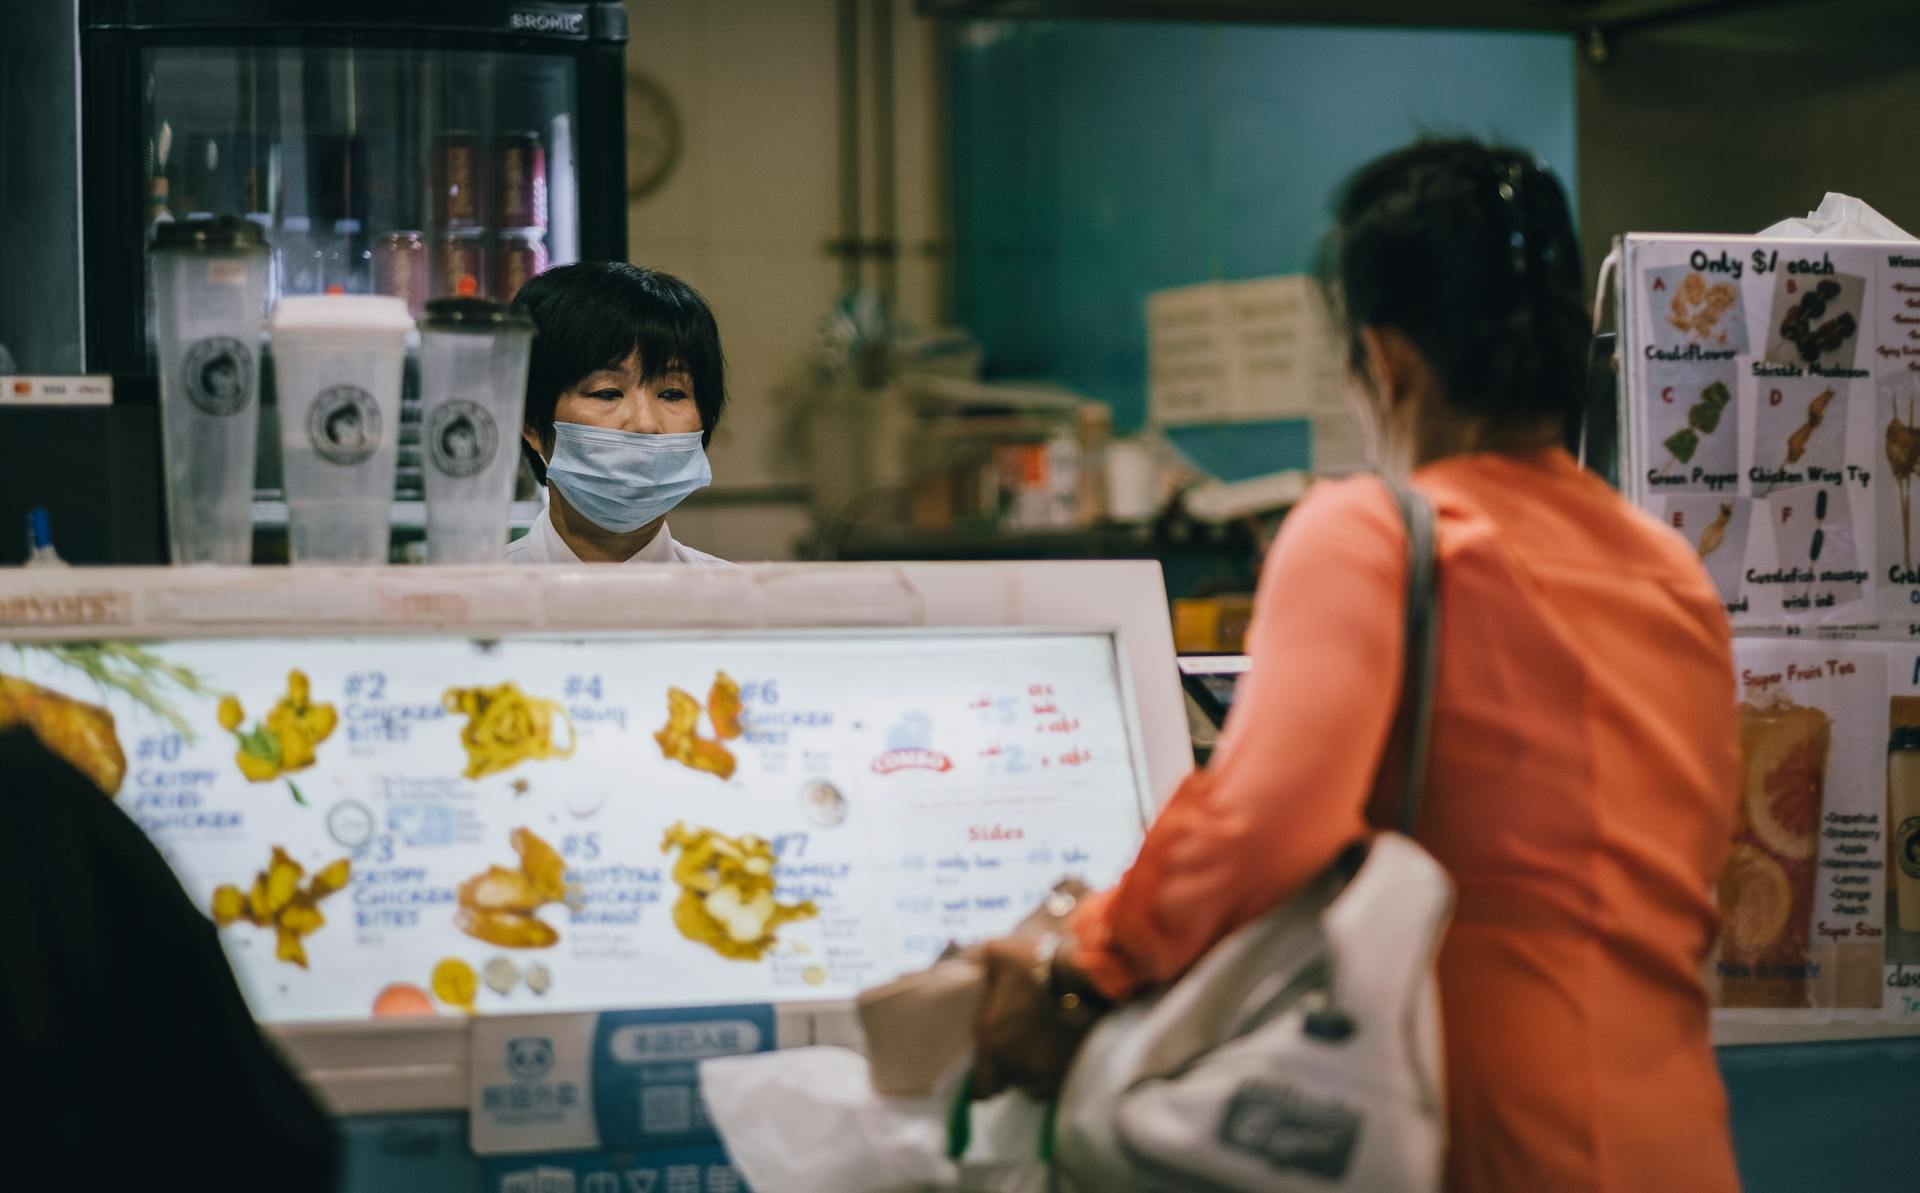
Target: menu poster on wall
{"type": "Point", "coordinates": [1802, 895]}
{"type": "Point", "coordinates": [443, 825]}
{"type": "Point", "coordinates": [1764, 371]}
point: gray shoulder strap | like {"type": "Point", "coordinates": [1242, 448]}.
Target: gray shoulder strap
{"type": "Point", "coordinates": [1413, 725]}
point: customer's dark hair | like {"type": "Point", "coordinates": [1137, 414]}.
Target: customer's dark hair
{"type": "Point", "coordinates": [593, 314]}
{"type": "Point", "coordinates": [1469, 251]}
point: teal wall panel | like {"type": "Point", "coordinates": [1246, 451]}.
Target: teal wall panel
{"type": "Point", "coordinates": [1095, 162]}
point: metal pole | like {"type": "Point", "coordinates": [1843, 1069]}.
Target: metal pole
{"type": "Point", "coordinates": [848, 245]}
{"type": "Point", "coordinates": [885, 213]}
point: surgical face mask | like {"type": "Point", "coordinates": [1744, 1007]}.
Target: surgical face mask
{"type": "Point", "coordinates": [620, 480]}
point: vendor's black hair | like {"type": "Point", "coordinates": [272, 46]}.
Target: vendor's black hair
{"type": "Point", "coordinates": [594, 314]}
{"type": "Point", "coordinates": [1469, 251]}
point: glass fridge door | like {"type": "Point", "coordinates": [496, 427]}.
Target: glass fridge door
{"type": "Point", "coordinates": [415, 173]}
{"type": "Point", "coordinates": [410, 172]}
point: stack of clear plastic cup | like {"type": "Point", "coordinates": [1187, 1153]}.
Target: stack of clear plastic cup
{"type": "Point", "coordinates": [209, 284]}
{"type": "Point", "coordinates": [473, 380]}
{"type": "Point", "coordinates": [338, 362]}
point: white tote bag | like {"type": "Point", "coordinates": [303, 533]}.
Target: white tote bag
{"type": "Point", "coordinates": [1303, 1051]}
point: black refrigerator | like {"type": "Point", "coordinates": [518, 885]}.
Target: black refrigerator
{"type": "Point", "coordinates": [407, 147]}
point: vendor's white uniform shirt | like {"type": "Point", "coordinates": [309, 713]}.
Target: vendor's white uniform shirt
{"type": "Point", "coordinates": [543, 544]}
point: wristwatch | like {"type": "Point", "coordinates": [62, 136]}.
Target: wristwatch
{"type": "Point", "coordinates": [1072, 1004]}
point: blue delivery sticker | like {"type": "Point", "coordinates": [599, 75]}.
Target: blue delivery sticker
{"type": "Point", "coordinates": [646, 1070]}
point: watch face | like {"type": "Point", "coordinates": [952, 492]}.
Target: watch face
{"type": "Point", "coordinates": [653, 136]}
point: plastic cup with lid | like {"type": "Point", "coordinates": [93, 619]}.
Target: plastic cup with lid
{"type": "Point", "coordinates": [209, 283]}
{"type": "Point", "coordinates": [338, 362]}
{"type": "Point", "coordinates": [473, 382]}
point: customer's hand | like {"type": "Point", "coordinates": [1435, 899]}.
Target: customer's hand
{"type": "Point", "coordinates": [1023, 1040]}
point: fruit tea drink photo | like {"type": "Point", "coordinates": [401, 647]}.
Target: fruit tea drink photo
{"type": "Point", "coordinates": [1801, 896]}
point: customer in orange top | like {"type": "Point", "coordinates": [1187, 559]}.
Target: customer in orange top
{"type": "Point", "coordinates": [1582, 777]}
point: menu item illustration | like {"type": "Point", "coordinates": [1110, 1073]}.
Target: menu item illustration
{"type": "Point", "coordinates": [402, 999]}
{"type": "Point", "coordinates": [1715, 535]}
{"type": "Point", "coordinates": [1800, 433]}
{"type": "Point", "coordinates": [1813, 536]}
{"type": "Point", "coordinates": [146, 679]}
{"type": "Point", "coordinates": [724, 707]}
{"type": "Point", "coordinates": [506, 727]}
{"type": "Point", "coordinates": [1690, 307]}
{"type": "Point", "coordinates": [538, 977]}
{"type": "Point", "coordinates": [287, 741]}
{"type": "Point", "coordinates": [454, 983]}
{"type": "Point", "coordinates": [500, 974]}
{"type": "Point", "coordinates": [1767, 890]}
{"type": "Point", "coordinates": [1718, 528]}
{"type": "Point", "coordinates": [1703, 418]}
{"type": "Point", "coordinates": [727, 892]}
{"type": "Point", "coordinates": [1816, 413]}
{"type": "Point", "coordinates": [498, 904]}
{"type": "Point", "coordinates": [1693, 430]}
{"type": "Point", "coordinates": [277, 900]}
{"type": "Point", "coordinates": [823, 804]}
{"type": "Point", "coordinates": [81, 734]}
{"type": "Point", "coordinates": [1903, 459]}
{"type": "Point", "coordinates": [1816, 321]}
{"type": "Point", "coordinates": [680, 741]}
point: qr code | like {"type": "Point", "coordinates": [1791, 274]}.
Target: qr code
{"type": "Point", "coordinates": [666, 1109]}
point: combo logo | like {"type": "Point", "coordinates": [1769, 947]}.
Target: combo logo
{"type": "Point", "coordinates": [218, 375]}
{"type": "Point", "coordinates": [1907, 841]}
{"type": "Point", "coordinates": [910, 747]}
{"type": "Point", "coordinates": [898, 760]}
{"type": "Point", "coordinates": [461, 438]}
{"type": "Point", "coordinates": [345, 425]}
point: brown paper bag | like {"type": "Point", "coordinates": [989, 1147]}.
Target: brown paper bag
{"type": "Point", "coordinates": [919, 1025]}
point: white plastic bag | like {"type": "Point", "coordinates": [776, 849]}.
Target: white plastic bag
{"type": "Point", "coordinates": [806, 1120]}
{"type": "Point", "coordinates": [1839, 217]}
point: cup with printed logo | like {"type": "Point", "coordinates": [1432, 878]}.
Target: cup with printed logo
{"type": "Point", "coordinates": [338, 361]}
{"type": "Point", "coordinates": [473, 381]}
{"type": "Point", "coordinates": [209, 282]}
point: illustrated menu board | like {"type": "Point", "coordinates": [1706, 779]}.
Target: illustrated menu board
{"type": "Point", "coordinates": [1773, 406]}
{"type": "Point", "coordinates": [387, 826]}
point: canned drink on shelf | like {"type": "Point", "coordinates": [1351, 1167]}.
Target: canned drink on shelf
{"type": "Point", "coordinates": [400, 269]}
{"type": "Point", "coordinates": [517, 256]}
{"type": "Point", "coordinates": [460, 264]}
{"type": "Point", "coordinates": [457, 179]}
{"type": "Point", "coordinates": [519, 181]}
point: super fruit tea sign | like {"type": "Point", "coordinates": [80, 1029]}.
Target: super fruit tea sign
{"type": "Point", "coordinates": [444, 826]}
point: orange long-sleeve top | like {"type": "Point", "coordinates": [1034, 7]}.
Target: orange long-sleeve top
{"type": "Point", "coordinates": [1581, 793]}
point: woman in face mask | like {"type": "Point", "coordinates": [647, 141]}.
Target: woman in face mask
{"type": "Point", "coordinates": [623, 392]}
